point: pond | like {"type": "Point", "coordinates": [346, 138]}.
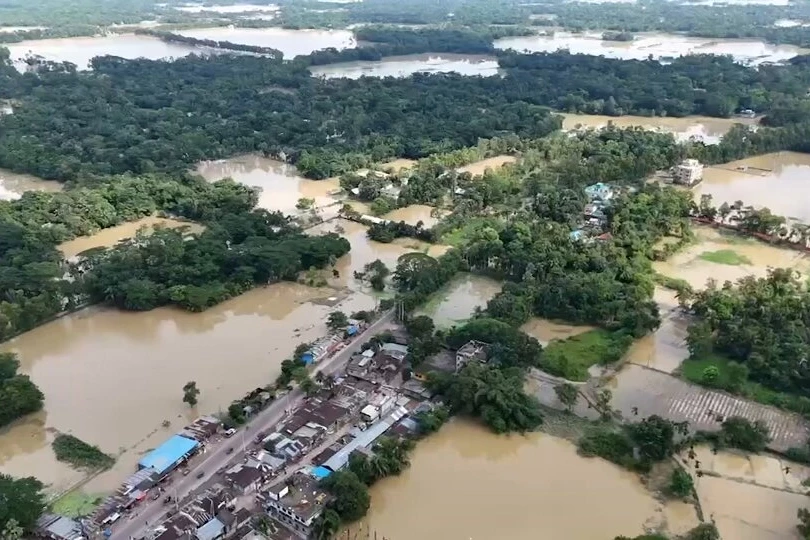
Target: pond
{"type": "Point", "coordinates": [456, 301]}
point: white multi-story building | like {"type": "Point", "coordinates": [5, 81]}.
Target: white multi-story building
{"type": "Point", "coordinates": [689, 172]}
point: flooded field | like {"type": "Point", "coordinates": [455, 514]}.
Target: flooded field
{"type": "Point", "coordinates": [692, 264]}
{"type": "Point", "coordinates": [703, 128]}
{"type": "Point", "coordinates": [113, 235]}
{"type": "Point", "coordinates": [81, 50]}
{"type": "Point", "coordinates": [545, 331]}
{"type": "Point", "coordinates": [13, 185]}
{"type": "Point", "coordinates": [456, 302]}
{"type": "Point", "coordinates": [659, 46]}
{"type": "Point", "coordinates": [465, 482]}
{"type": "Point", "coordinates": [415, 213]}
{"type": "Point", "coordinates": [291, 42]}
{"type": "Point", "coordinates": [778, 181]}
{"type": "Point", "coordinates": [229, 9]}
{"type": "Point", "coordinates": [280, 183]}
{"type": "Point", "coordinates": [665, 349]}
{"type": "Point", "coordinates": [479, 167]}
{"type": "Point", "coordinates": [403, 66]}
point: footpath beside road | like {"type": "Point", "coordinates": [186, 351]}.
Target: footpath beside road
{"type": "Point", "coordinates": [217, 455]}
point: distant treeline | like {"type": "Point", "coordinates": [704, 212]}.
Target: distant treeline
{"type": "Point", "coordinates": [171, 37]}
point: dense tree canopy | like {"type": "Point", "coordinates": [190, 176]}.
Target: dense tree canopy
{"type": "Point", "coordinates": [21, 500]}
{"type": "Point", "coordinates": [18, 394]}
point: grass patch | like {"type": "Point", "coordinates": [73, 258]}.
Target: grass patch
{"type": "Point", "coordinates": [570, 358]}
{"type": "Point", "coordinates": [725, 256]}
{"type": "Point", "coordinates": [76, 504]}
{"type": "Point", "coordinates": [80, 454]}
{"type": "Point", "coordinates": [671, 283]}
{"type": "Point", "coordinates": [717, 371]}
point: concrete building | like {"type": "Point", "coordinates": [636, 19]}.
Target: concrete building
{"type": "Point", "coordinates": [471, 351]}
{"type": "Point", "coordinates": [58, 527]}
{"type": "Point", "coordinates": [689, 172]}
{"type": "Point", "coordinates": [296, 503]}
{"type": "Point", "coordinates": [599, 191]}
{"type": "Point", "coordinates": [169, 455]}
{"type": "Point", "coordinates": [243, 478]}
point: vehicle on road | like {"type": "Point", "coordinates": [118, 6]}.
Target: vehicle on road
{"type": "Point", "coordinates": [200, 474]}
{"type": "Point", "coordinates": [230, 432]}
{"type": "Point", "coordinates": [185, 472]}
{"type": "Point", "coordinates": [168, 499]}
{"type": "Point", "coordinates": [229, 450]}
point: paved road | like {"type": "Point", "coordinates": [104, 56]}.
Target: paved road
{"type": "Point", "coordinates": [216, 457]}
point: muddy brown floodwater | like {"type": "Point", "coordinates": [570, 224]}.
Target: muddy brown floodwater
{"type": "Point", "coordinates": [415, 213]}
{"type": "Point", "coordinates": [13, 185]}
{"type": "Point", "coordinates": [479, 167]}
{"type": "Point", "coordinates": [281, 184]}
{"type": "Point", "coordinates": [403, 66]}
{"type": "Point", "coordinates": [779, 181]}
{"type": "Point", "coordinates": [545, 331]}
{"type": "Point", "coordinates": [290, 42]}
{"type": "Point", "coordinates": [466, 483]}
{"type": "Point", "coordinates": [111, 236]}
{"type": "Point", "coordinates": [665, 349]}
{"type": "Point", "coordinates": [456, 301]}
{"type": "Point", "coordinates": [706, 129]}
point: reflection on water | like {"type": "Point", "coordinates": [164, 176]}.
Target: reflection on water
{"type": "Point", "coordinates": [280, 184]}
{"type": "Point", "coordinates": [703, 128]}
{"type": "Point", "coordinates": [456, 302]}
{"type": "Point", "coordinates": [290, 42]}
{"type": "Point", "coordinates": [779, 181]}
{"type": "Point", "coordinates": [111, 236]}
{"type": "Point", "coordinates": [544, 330]}
{"type": "Point", "coordinates": [403, 66]}
{"type": "Point", "coordinates": [13, 185]}
{"type": "Point", "coordinates": [81, 50]}
{"type": "Point", "coordinates": [465, 482]}
{"type": "Point", "coordinates": [659, 46]}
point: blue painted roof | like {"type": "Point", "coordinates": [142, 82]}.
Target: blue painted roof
{"type": "Point", "coordinates": [167, 454]}
{"type": "Point", "coordinates": [321, 472]}
{"type": "Point", "coordinates": [212, 529]}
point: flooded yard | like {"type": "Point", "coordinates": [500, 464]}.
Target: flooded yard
{"type": "Point", "coordinates": [413, 214]}
{"type": "Point", "coordinates": [80, 50]}
{"type": "Point", "coordinates": [665, 349]}
{"type": "Point", "coordinates": [659, 46]}
{"type": "Point", "coordinates": [111, 236]}
{"type": "Point", "coordinates": [403, 66]}
{"type": "Point", "coordinates": [456, 301]}
{"type": "Point", "coordinates": [779, 181]}
{"type": "Point", "coordinates": [545, 331]}
{"type": "Point", "coordinates": [479, 167]}
{"type": "Point", "coordinates": [702, 128]}
{"type": "Point", "coordinates": [465, 482]}
{"type": "Point", "coordinates": [280, 183]}
{"type": "Point", "coordinates": [697, 263]}
{"type": "Point", "coordinates": [13, 185]}
{"type": "Point", "coordinates": [290, 42]}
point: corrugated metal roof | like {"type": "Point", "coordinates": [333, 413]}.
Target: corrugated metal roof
{"type": "Point", "coordinates": [211, 530]}
{"type": "Point", "coordinates": [167, 454]}
{"type": "Point", "coordinates": [364, 439]}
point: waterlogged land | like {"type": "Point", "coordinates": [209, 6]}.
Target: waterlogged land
{"type": "Point", "coordinates": [290, 42]}
{"type": "Point", "coordinates": [778, 181]}
{"type": "Point", "coordinates": [403, 66]}
{"type": "Point", "coordinates": [702, 128]}
{"type": "Point", "coordinates": [464, 482]}
{"type": "Point", "coordinates": [13, 185]}
{"type": "Point", "coordinates": [413, 214]}
{"type": "Point", "coordinates": [81, 50]}
{"type": "Point", "coordinates": [456, 302]}
{"type": "Point", "coordinates": [111, 236]}
{"type": "Point", "coordinates": [280, 183]}
{"type": "Point", "coordinates": [479, 167]}
{"type": "Point", "coordinates": [659, 46]}
{"type": "Point", "coordinates": [546, 331]}
{"type": "Point", "coordinates": [664, 349]}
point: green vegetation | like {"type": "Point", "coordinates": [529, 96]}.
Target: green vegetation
{"type": "Point", "coordinates": [680, 483]}
{"type": "Point", "coordinates": [570, 358]}
{"type": "Point", "coordinates": [568, 394]}
{"type": "Point", "coordinates": [190, 393]}
{"type": "Point", "coordinates": [725, 256]}
{"type": "Point", "coordinates": [737, 432]}
{"type": "Point", "coordinates": [18, 394]}
{"type": "Point", "coordinates": [747, 339]}
{"type": "Point", "coordinates": [23, 502]}
{"type": "Point", "coordinates": [704, 531]}
{"type": "Point", "coordinates": [76, 504]}
{"type": "Point", "coordinates": [80, 454]}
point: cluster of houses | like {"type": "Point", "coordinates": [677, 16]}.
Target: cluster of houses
{"type": "Point", "coordinates": [594, 215]}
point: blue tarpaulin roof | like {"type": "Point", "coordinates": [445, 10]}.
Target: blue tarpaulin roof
{"type": "Point", "coordinates": [321, 472]}
{"type": "Point", "coordinates": [167, 454]}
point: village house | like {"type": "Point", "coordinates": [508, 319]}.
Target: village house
{"type": "Point", "coordinates": [471, 351]}
{"type": "Point", "coordinates": [244, 479]}
{"type": "Point", "coordinates": [296, 503]}
{"type": "Point", "coordinates": [57, 527]}
{"type": "Point", "coordinates": [689, 172]}
{"type": "Point", "coordinates": [599, 191]}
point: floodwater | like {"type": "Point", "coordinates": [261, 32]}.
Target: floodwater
{"type": "Point", "coordinates": [415, 213]}
{"type": "Point", "coordinates": [687, 264]}
{"type": "Point", "coordinates": [290, 42]}
{"type": "Point", "coordinates": [479, 167]}
{"type": "Point", "coordinates": [778, 181]}
{"type": "Point", "coordinates": [665, 349]}
{"type": "Point", "coordinates": [13, 185]}
{"type": "Point", "coordinates": [702, 128]}
{"type": "Point", "coordinates": [80, 50]}
{"type": "Point", "coordinates": [465, 482]}
{"type": "Point", "coordinates": [280, 183]}
{"type": "Point", "coordinates": [403, 66]}
{"type": "Point", "coordinates": [659, 46]}
{"type": "Point", "coordinates": [111, 236]}
{"type": "Point", "coordinates": [545, 331]}
{"type": "Point", "coordinates": [456, 301]}
{"type": "Point", "coordinates": [235, 8]}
